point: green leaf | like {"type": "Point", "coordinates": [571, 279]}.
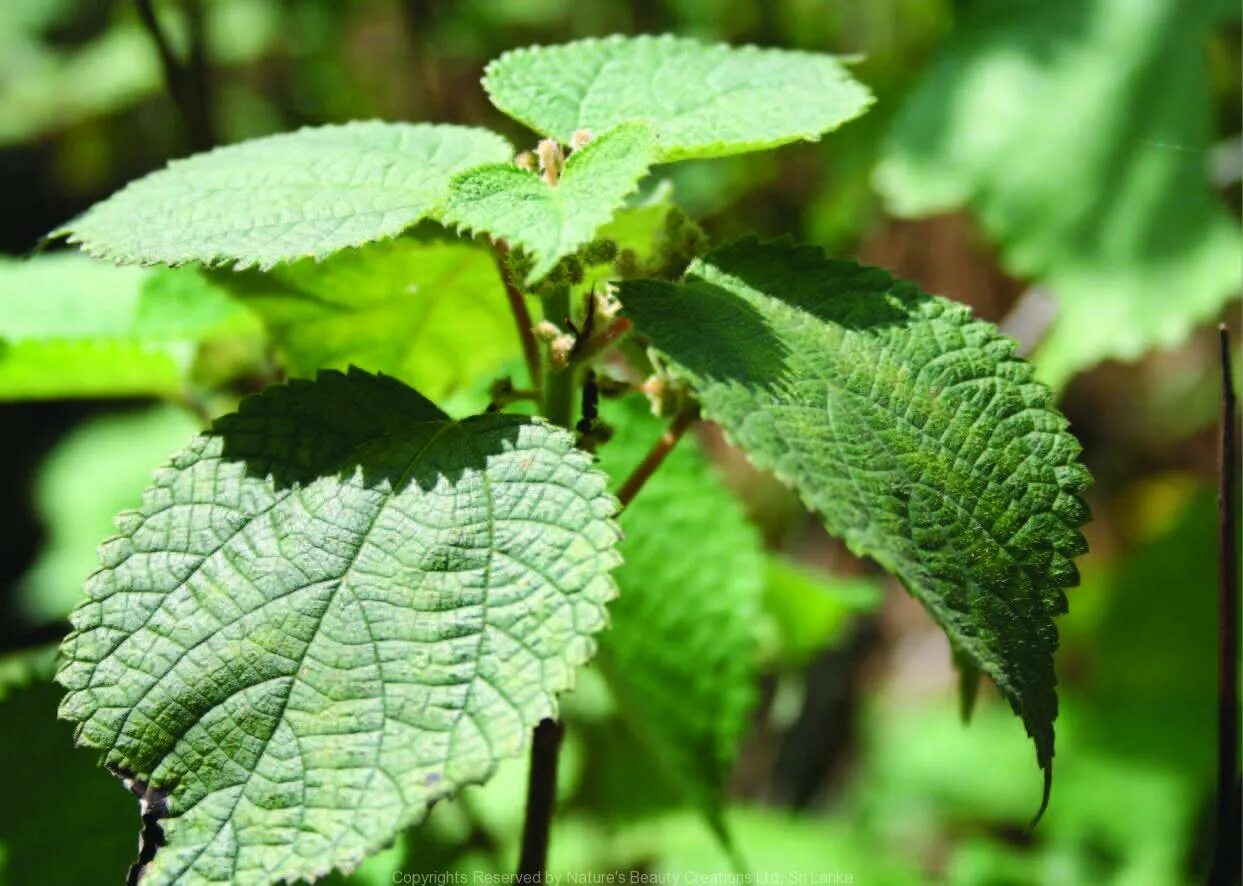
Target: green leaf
{"type": "Point", "coordinates": [1128, 235]}
{"type": "Point", "coordinates": [777, 845]}
{"type": "Point", "coordinates": [910, 428]}
{"type": "Point", "coordinates": [401, 307]}
{"type": "Point", "coordinates": [332, 610]}
{"type": "Point", "coordinates": [552, 221]}
{"type": "Point", "coordinates": [74, 327]}
{"type": "Point", "coordinates": [681, 656]}
{"type": "Point", "coordinates": [47, 86]}
{"type": "Point", "coordinates": [63, 821]}
{"type": "Point", "coordinates": [809, 609]}
{"type": "Point", "coordinates": [99, 468]}
{"type": "Point", "coordinates": [304, 194]}
{"type": "Point", "coordinates": [703, 101]}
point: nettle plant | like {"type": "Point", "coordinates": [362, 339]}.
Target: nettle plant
{"type": "Point", "coordinates": [340, 605]}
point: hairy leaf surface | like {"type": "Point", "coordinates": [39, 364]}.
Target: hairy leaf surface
{"type": "Point", "coordinates": [912, 429]}
{"type": "Point", "coordinates": [703, 101]}
{"type": "Point", "coordinates": [304, 194]}
{"type": "Point", "coordinates": [681, 655]}
{"type": "Point", "coordinates": [1128, 235]}
{"type": "Point", "coordinates": [73, 326]}
{"type": "Point", "coordinates": [552, 221]}
{"type": "Point", "coordinates": [431, 314]}
{"type": "Point", "coordinates": [332, 610]}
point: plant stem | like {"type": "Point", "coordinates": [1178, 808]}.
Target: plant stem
{"type": "Point", "coordinates": [522, 317]}
{"type": "Point", "coordinates": [1226, 859]}
{"type": "Point", "coordinates": [541, 798]}
{"type": "Point", "coordinates": [659, 452]}
{"type": "Point", "coordinates": [186, 84]}
{"type": "Point", "coordinates": [546, 742]}
{"type": "Point", "coordinates": [559, 385]}
{"type": "Point", "coordinates": [198, 82]}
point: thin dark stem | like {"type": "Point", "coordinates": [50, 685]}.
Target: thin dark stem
{"type": "Point", "coordinates": [186, 84]}
{"type": "Point", "coordinates": [558, 407]}
{"type": "Point", "coordinates": [168, 61]}
{"type": "Point", "coordinates": [541, 798]}
{"type": "Point", "coordinates": [200, 131]}
{"type": "Point", "coordinates": [1226, 857]}
{"type": "Point", "coordinates": [659, 452]}
{"type": "Point", "coordinates": [522, 317]}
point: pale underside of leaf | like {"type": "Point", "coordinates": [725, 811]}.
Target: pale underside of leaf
{"type": "Point", "coordinates": [332, 610]}
{"type": "Point", "coordinates": [912, 429]}
{"type": "Point", "coordinates": [702, 100]}
{"type": "Point", "coordinates": [552, 221]}
{"type": "Point", "coordinates": [303, 194]}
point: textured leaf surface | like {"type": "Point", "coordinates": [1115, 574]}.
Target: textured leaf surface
{"type": "Point", "coordinates": [332, 610]}
{"type": "Point", "coordinates": [681, 655]}
{"type": "Point", "coordinates": [1128, 236]}
{"type": "Point", "coordinates": [910, 428]}
{"type": "Point", "coordinates": [703, 101]}
{"type": "Point", "coordinates": [431, 314]}
{"type": "Point", "coordinates": [72, 326]}
{"type": "Point", "coordinates": [303, 194]}
{"type": "Point", "coordinates": [552, 221]}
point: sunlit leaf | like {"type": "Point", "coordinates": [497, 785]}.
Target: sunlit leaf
{"type": "Point", "coordinates": [912, 429]}
{"type": "Point", "coordinates": [304, 194]}
{"type": "Point", "coordinates": [334, 609]}
{"type": "Point", "coordinates": [72, 326]}
{"type": "Point", "coordinates": [432, 314]}
{"type": "Point", "coordinates": [702, 100]}
{"type": "Point", "coordinates": [552, 221]}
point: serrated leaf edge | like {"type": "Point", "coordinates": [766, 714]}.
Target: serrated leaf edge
{"type": "Point", "coordinates": [68, 233]}
{"type": "Point", "coordinates": [579, 656]}
{"type": "Point", "coordinates": [538, 272]}
{"type": "Point", "coordinates": [708, 150]}
{"type": "Point", "coordinates": [1072, 484]}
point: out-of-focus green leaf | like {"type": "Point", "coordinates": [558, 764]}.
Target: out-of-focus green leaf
{"type": "Point", "coordinates": [1078, 133]}
{"type": "Point", "coordinates": [72, 326]}
{"type": "Point", "coordinates": [682, 652]}
{"type": "Point", "coordinates": [808, 609]}
{"type": "Point", "coordinates": [1137, 739]}
{"type": "Point", "coordinates": [1113, 819]}
{"type": "Point", "coordinates": [63, 819]}
{"type": "Point", "coordinates": [98, 470]}
{"type": "Point", "coordinates": [27, 667]}
{"type": "Point", "coordinates": [432, 314]}
{"type": "Point", "coordinates": [43, 88]}
{"type": "Point", "coordinates": [779, 848]}
{"type": "Point", "coordinates": [1153, 653]}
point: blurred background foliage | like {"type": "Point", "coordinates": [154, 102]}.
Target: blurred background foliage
{"type": "Point", "coordinates": [1069, 168]}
